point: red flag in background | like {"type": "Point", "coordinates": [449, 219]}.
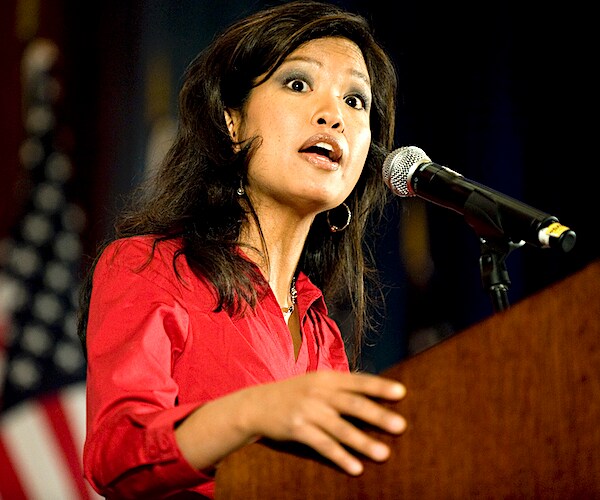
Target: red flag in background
{"type": "Point", "coordinates": [42, 391]}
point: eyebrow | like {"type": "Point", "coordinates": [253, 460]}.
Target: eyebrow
{"type": "Point", "coordinates": [354, 72]}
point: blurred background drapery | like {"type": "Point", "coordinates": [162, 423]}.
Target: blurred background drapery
{"type": "Point", "coordinates": [88, 100]}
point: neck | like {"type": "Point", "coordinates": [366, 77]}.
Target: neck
{"type": "Point", "coordinates": [278, 252]}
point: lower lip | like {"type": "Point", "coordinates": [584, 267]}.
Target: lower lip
{"type": "Point", "coordinates": [321, 162]}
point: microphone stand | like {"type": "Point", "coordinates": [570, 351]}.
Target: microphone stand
{"type": "Point", "coordinates": [484, 216]}
{"type": "Point", "coordinates": [494, 275]}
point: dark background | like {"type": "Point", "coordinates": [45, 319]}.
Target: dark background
{"type": "Point", "coordinates": [502, 94]}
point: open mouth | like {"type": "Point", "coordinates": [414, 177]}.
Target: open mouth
{"type": "Point", "coordinates": [325, 148]}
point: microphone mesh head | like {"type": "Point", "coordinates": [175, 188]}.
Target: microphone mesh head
{"type": "Point", "coordinates": [399, 166]}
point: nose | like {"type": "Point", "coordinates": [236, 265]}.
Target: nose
{"type": "Point", "coordinates": [329, 115]}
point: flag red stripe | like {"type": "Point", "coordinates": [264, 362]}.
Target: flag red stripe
{"type": "Point", "coordinates": [62, 431]}
{"type": "Point", "coordinates": [10, 484]}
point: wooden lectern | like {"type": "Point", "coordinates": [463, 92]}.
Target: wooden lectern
{"type": "Point", "coordinates": [509, 408]}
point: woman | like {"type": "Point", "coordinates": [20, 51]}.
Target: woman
{"type": "Point", "coordinates": [204, 322]}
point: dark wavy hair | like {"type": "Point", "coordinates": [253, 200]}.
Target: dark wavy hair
{"type": "Point", "coordinates": [193, 195]}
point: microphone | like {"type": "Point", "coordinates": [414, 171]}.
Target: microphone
{"type": "Point", "coordinates": [408, 171]}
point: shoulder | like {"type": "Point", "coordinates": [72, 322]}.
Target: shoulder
{"type": "Point", "coordinates": [138, 250]}
{"type": "Point", "coordinates": [146, 258]}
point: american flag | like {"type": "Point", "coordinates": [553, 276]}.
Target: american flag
{"type": "Point", "coordinates": [42, 366]}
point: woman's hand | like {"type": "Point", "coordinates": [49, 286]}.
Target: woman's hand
{"type": "Point", "coordinates": [309, 409]}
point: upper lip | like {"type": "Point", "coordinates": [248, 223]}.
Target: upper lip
{"type": "Point", "coordinates": [328, 145]}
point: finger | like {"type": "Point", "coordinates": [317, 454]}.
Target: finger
{"type": "Point", "coordinates": [372, 385]}
{"type": "Point", "coordinates": [325, 430]}
{"type": "Point", "coordinates": [349, 435]}
{"type": "Point", "coordinates": [377, 386]}
{"type": "Point", "coordinates": [351, 400]}
{"type": "Point", "coordinates": [367, 410]}
{"type": "Point", "coordinates": [328, 447]}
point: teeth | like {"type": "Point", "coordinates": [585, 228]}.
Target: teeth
{"type": "Point", "coordinates": [324, 145]}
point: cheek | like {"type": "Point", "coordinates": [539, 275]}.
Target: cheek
{"type": "Point", "coordinates": [362, 144]}
{"type": "Point", "coordinates": [266, 121]}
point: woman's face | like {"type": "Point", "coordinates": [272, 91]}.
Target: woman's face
{"type": "Point", "coordinates": [312, 117]}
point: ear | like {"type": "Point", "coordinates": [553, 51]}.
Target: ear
{"type": "Point", "coordinates": [233, 120]}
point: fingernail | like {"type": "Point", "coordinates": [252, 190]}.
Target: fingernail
{"type": "Point", "coordinates": [355, 468]}
{"type": "Point", "coordinates": [380, 452]}
{"type": "Point", "coordinates": [397, 424]}
{"type": "Point", "coordinates": [400, 390]}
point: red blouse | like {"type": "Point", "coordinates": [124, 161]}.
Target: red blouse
{"type": "Point", "coordinates": [156, 351]}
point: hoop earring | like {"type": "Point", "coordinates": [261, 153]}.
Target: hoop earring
{"type": "Point", "coordinates": [335, 229]}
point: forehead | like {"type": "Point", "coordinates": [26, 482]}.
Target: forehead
{"type": "Point", "coordinates": [341, 50]}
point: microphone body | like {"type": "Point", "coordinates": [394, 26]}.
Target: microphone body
{"type": "Point", "coordinates": [408, 171]}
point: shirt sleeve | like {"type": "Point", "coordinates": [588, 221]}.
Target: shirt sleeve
{"type": "Point", "coordinates": [136, 328]}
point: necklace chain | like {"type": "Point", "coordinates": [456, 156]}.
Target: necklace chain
{"type": "Point", "coordinates": [294, 296]}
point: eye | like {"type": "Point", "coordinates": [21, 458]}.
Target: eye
{"type": "Point", "coordinates": [356, 102]}
{"type": "Point", "coordinates": [297, 85]}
